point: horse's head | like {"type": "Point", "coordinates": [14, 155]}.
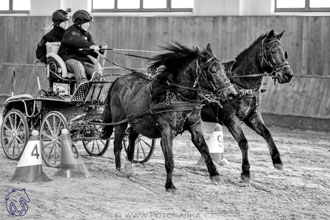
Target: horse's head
{"type": "Point", "coordinates": [211, 75]}
{"type": "Point", "coordinates": [192, 70]}
{"type": "Point", "coordinates": [274, 58]}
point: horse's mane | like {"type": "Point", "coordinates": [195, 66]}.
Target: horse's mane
{"type": "Point", "coordinates": [241, 55]}
{"type": "Point", "coordinates": [177, 57]}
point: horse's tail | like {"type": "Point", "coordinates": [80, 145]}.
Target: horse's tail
{"type": "Point", "coordinates": [106, 116]}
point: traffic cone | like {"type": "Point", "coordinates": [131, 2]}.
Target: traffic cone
{"type": "Point", "coordinates": [213, 135]}
{"type": "Point", "coordinates": [29, 167]}
{"type": "Point", "coordinates": [72, 164]}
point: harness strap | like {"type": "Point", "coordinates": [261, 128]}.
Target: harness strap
{"type": "Point", "coordinates": [186, 87]}
{"type": "Point", "coordinates": [175, 106]}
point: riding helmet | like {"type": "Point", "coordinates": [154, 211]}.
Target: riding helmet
{"type": "Point", "coordinates": [60, 16]}
{"type": "Point", "coordinates": [81, 16]}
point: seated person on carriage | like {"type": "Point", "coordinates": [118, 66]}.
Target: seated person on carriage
{"type": "Point", "coordinates": [60, 20]}
{"type": "Point", "coordinates": [82, 63]}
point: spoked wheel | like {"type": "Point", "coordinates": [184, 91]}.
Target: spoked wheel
{"type": "Point", "coordinates": [50, 131]}
{"type": "Point", "coordinates": [14, 134]}
{"type": "Point", "coordinates": [96, 147]}
{"type": "Point", "coordinates": [144, 148]}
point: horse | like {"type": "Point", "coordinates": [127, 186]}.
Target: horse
{"type": "Point", "coordinates": [265, 56]}
{"type": "Point", "coordinates": [167, 103]}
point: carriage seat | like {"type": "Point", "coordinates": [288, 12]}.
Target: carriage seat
{"type": "Point", "coordinates": [56, 67]}
{"type": "Point", "coordinates": [57, 72]}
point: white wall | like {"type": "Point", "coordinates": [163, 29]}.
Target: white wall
{"type": "Point", "coordinates": [216, 7]}
{"type": "Point", "coordinates": [44, 8]}
{"type": "Point", "coordinates": [234, 7]}
{"type": "Point", "coordinates": [47, 7]}
{"type": "Point", "coordinates": [202, 7]}
{"type": "Point", "coordinates": [77, 5]}
{"type": "Point", "coordinates": [256, 7]}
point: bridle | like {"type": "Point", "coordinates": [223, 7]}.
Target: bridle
{"type": "Point", "coordinates": [205, 94]}
{"type": "Point", "coordinates": [275, 68]}
{"type": "Point", "coordinates": [266, 62]}
{"type": "Point", "coordinates": [200, 72]}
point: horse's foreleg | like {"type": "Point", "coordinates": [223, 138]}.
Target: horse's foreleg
{"type": "Point", "coordinates": [166, 143]}
{"type": "Point", "coordinates": [256, 123]}
{"type": "Point", "coordinates": [119, 136]}
{"type": "Point", "coordinates": [235, 129]}
{"type": "Point", "coordinates": [198, 139]}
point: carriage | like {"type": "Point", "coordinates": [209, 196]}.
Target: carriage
{"type": "Point", "coordinates": [65, 105]}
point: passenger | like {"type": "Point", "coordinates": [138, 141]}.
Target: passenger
{"type": "Point", "coordinates": [75, 38]}
{"type": "Point", "coordinates": [60, 20]}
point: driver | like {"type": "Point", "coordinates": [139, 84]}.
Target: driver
{"type": "Point", "coordinates": [82, 63]}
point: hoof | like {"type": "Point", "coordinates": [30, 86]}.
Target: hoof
{"type": "Point", "coordinates": [215, 178]}
{"type": "Point", "coordinates": [119, 173]}
{"type": "Point", "coordinates": [278, 166]}
{"type": "Point", "coordinates": [128, 169]}
{"type": "Point", "coordinates": [245, 178]}
{"type": "Point", "coordinates": [171, 190]}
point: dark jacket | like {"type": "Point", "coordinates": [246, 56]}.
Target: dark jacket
{"type": "Point", "coordinates": [55, 35]}
{"type": "Point", "coordinates": [73, 39]}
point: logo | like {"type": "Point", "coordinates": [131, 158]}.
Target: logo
{"type": "Point", "coordinates": [17, 202]}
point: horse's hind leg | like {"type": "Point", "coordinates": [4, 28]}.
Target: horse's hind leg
{"type": "Point", "coordinates": [130, 151]}
{"type": "Point", "coordinates": [132, 136]}
{"type": "Point", "coordinates": [256, 123]}
{"type": "Point", "coordinates": [119, 136]}
{"type": "Point", "coordinates": [235, 129]}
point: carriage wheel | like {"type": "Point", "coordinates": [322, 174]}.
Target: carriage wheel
{"type": "Point", "coordinates": [96, 147]}
{"type": "Point", "coordinates": [144, 148]}
{"type": "Point", "coordinates": [50, 132]}
{"type": "Point", "coordinates": [14, 134]}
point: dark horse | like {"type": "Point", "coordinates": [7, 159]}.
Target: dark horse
{"type": "Point", "coordinates": [266, 56]}
{"type": "Point", "coordinates": [167, 103]}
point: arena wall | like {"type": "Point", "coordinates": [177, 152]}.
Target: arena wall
{"type": "Point", "coordinates": [306, 39]}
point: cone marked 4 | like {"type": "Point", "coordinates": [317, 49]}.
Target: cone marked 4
{"type": "Point", "coordinates": [29, 167]}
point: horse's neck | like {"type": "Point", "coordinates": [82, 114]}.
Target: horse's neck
{"type": "Point", "coordinates": [159, 87]}
{"type": "Point", "coordinates": [184, 79]}
{"type": "Point", "coordinates": [248, 64]}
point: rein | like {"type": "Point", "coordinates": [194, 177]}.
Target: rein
{"type": "Point", "coordinates": [114, 63]}
{"type": "Point", "coordinates": [251, 75]}
{"type": "Point", "coordinates": [185, 87]}
{"type": "Point", "coordinates": [131, 55]}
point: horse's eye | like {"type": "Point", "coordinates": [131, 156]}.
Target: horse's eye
{"type": "Point", "coordinates": [213, 69]}
{"type": "Point", "coordinates": [286, 55]}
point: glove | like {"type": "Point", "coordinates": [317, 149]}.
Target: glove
{"type": "Point", "coordinates": [102, 47]}
{"type": "Point", "coordinates": [95, 47]}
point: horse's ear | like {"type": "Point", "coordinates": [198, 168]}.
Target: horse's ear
{"type": "Point", "coordinates": [229, 65]}
{"type": "Point", "coordinates": [271, 34]}
{"type": "Point", "coordinates": [197, 49]}
{"type": "Point", "coordinates": [209, 49]}
{"type": "Point", "coordinates": [279, 36]}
